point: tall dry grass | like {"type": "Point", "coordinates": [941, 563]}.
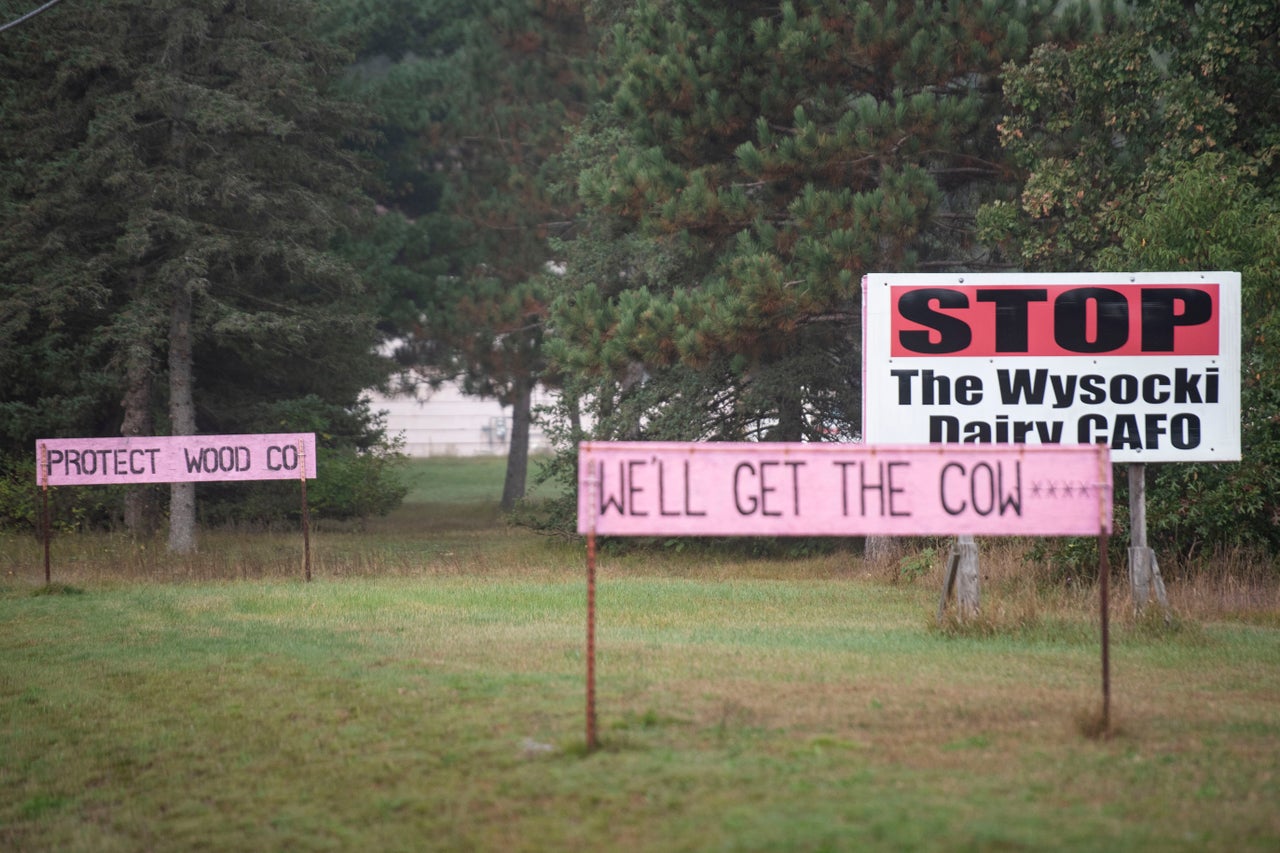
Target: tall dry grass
{"type": "Point", "coordinates": [1023, 582]}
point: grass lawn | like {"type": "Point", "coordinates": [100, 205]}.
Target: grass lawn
{"type": "Point", "coordinates": [426, 692]}
{"type": "Point", "coordinates": [452, 480]}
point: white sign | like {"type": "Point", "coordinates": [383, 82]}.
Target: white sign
{"type": "Point", "coordinates": [1145, 363]}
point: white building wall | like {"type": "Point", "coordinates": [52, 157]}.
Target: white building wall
{"type": "Point", "coordinates": [446, 422]}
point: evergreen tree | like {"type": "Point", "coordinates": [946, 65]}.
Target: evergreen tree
{"type": "Point", "coordinates": [176, 174]}
{"type": "Point", "coordinates": [475, 99]}
{"type": "Point", "coordinates": [755, 160]}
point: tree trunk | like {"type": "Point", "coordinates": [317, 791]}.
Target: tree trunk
{"type": "Point", "coordinates": [573, 405]}
{"type": "Point", "coordinates": [182, 418]}
{"type": "Point", "coordinates": [518, 450]}
{"type": "Point", "coordinates": [790, 426]}
{"type": "Point", "coordinates": [139, 506]}
{"type": "Point", "coordinates": [182, 408]}
{"type": "Point", "coordinates": [571, 408]}
{"type": "Point", "coordinates": [881, 549]}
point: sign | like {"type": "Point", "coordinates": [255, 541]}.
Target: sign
{"type": "Point", "coordinates": [175, 459]}
{"type": "Point", "coordinates": [1146, 363]}
{"type": "Point", "coordinates": [794, 489]}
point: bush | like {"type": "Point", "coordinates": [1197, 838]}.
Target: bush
{"type": "Point", "coordinates": [80, 508]}
{"type": "Point", "coordinates": [349, 484]}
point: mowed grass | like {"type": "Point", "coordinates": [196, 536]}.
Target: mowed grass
{"type": "Point", "coordinates": [454, 479]}
{"type": "Point", "coordinates": [426, 692]}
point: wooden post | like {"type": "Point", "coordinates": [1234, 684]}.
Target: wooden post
{"type": "Point", "coordinates": [968, 583]}
{"type": "Point", "coordinates": [962, 576]}
{"type": "Point", "coordinates": [1144, 570]}
{"type": "Point", "coordinates": [948, 582]}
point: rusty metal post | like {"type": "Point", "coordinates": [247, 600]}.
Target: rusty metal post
{"type": "Point", "coordinates": [306, 513]}
{"type": "Point", "coordinates": [1104, 570]}
{"type": "Point", "coordinates": [591, 641]}
{"type": "Point", "coordinates": [44, 511]}
{"type": "Point", "coordinates": [592, 498]}
{"type": "Point", "coordinates": [1104, 577]}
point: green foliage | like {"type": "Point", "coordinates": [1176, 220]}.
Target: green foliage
{"type": "Point", "coordinates": [162, 151]}
{"type": "Point", "coordinates": [752, 163]}
{"type": "Point", "coordinates": [767, 161]}
{"type": "Point", "coordinates": [1070, 560]}
{"type": "Point", "coordinates": [912, 567]}
{"type": "Point", "coordinates": [357, 469]}
{"type": "Point", "coordinates": [1211, 216]}
{"type": "Point", "coordinates": [22, 502]}
{"type": "Point", "coordinates": [475, 99]}
{"type": "Point", "coordinates": [53, 589]}
{"type": "Point", "coordinates": [468, 480]}
{"type": "Point", "coordinates": [19, 496]}
{"type": "Point", "coordinates": [349, 484]}
{"type": "Point", "coordinates": [1154, 147]}
{"type": "Point", "coordinates": [1098, 125]}
{"type": "Point", "coordinates": [356, 485]}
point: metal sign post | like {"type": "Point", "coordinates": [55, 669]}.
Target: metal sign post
{"type": "Point", "coordinates": [306, 512]}
{"type": "Point", "coordinates": [796, 489]}
{"type": "Point", "coordinates": [592, 483]}
{"type": "Point", "coordinates": [1104, 570]}
{"type": "Point", "coordinates": [44, 512]}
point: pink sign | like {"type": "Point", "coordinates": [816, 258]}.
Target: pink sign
{"type": "Point", "coordinates": [778, 489]}
{"type": "Point", "coordinates": [175, 459]}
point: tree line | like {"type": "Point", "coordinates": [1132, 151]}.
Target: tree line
{"type": "Point", "coordinates": [216, 216]}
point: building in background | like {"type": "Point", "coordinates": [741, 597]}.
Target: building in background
{"type": "Point", "coordinates": [445, 422]}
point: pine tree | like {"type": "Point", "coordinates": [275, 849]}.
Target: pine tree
{"type": "Point", "coordinates": [475, 99]}
{"type": "Point", "coordinates": [757, 159]}
{"type": "Point", "coordinates": [177, 174]}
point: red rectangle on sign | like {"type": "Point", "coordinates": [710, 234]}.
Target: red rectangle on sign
{"type": "Point", "coordinates": [1054, 320]}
